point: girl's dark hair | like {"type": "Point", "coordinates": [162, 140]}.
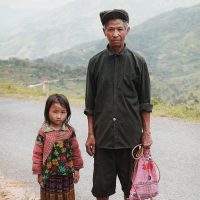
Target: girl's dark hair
{"type": "Point", "coordinates": [57, 98]}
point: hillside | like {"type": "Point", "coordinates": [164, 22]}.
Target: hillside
{"type": "Point", "coordinates": [76, 22]}
{"type": "Point", "coordinates": [17, 72]}
{"type": "Point", "coordinates": [170, 43]}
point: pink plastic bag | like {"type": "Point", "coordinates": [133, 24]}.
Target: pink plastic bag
{"type": "Point", "coordinates": [145, 176]}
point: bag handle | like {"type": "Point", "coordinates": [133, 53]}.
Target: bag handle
{"type": "Point", "coordinates": [139, 153]}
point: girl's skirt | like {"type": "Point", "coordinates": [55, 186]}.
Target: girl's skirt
{"type": "Point", "coordinates": [58, 188]}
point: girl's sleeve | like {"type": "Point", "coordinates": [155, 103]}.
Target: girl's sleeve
{"type": "Point", "coordinates": [76, 153]}
{"type": "Point", "coordinates": [38, 154]}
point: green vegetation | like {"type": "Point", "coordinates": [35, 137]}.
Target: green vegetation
{"type": "Point", "coordinates": [170, 44]}
{"type": "Point", "coordinates": [26, 79]}
{"type": "Point", "coordinates": [29, 72]}
{"type": "Point", "coordinates": [21, 92]}
{"type": "Point", "coordinates": [189, 112]}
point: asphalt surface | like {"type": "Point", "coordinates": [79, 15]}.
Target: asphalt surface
{"type": "Point", "coordinates": [175, 149]}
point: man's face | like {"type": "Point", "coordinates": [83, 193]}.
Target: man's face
{"type": "Point", "coordinates": [116, 31]}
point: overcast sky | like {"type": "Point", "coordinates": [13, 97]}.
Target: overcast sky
{"type": "Point", "coordinates": [13, 11]}
{"type": "Point", "coordinates": [49, 4]}
{"type": "Point", "coordinates": [33, 4]}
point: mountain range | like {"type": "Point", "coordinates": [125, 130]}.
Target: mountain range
{"type": "Point", "coordinates": [75, 23]}
{"type": "Point", "coordinates": [170, 43]}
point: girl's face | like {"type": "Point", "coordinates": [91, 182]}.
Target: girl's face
{"type": "Point", "coordinates": [57, 115]}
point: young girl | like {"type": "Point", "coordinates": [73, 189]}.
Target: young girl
{"type": "Point", "coordinates": [56, 155]}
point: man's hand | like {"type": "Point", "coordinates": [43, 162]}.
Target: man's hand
{"type": "Point", "coordinates": [147, 139]}
{"type": "Point", "coordinates": [90, 144]}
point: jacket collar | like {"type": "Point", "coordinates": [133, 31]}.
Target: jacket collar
{"type": "Point", "coordinates": [111, 53]}
{"type": "Point", "coordinates": [47, 128]}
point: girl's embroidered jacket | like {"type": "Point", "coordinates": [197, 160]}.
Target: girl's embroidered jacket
{"type": "Point", "coordinates": [47, 138]}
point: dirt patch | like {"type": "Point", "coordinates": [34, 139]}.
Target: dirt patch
{"type": "Point", "coordinates": [14, 190]}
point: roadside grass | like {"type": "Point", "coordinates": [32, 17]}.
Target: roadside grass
{"type": "Point", "coordinates": [2, 194]}
{"type": "Point", "coordinates": [182, 111]}
{"type": "Point", "coordinates": [5, 196]}
{"type": "Point", "coordinates": [185, 112]}
{"type": "Point", "coordinates": [21, 92]}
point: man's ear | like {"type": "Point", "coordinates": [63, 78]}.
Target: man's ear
{"type": "Point", "coordinates": [104, 30]}
{"type": "Point", "coordinates": [128, 29]}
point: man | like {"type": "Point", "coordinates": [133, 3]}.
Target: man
{"type": "Point", "coordinates": [117, 107]}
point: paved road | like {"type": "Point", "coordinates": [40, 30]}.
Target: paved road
{"type": "Point", "coordinates": [176, 150]}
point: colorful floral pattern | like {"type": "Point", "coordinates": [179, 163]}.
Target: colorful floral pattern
{"type": "Point", "coordinates": [59, 162]}
{"type": "Point", "coordinates": [56, 152]}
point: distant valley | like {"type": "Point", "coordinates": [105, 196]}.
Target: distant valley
{"type": "Point", "coordinates": [170, 42]}
{"type": "Point", "coordinates": [74, 23]}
